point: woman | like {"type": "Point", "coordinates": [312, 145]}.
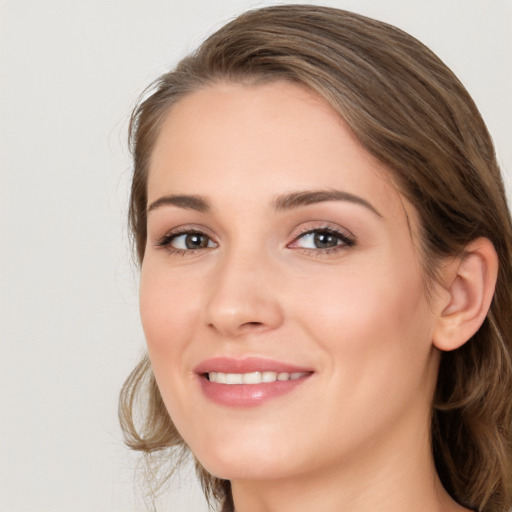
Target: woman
{"type": "Point", "coordinates": [325, 252]}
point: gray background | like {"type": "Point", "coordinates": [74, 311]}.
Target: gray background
{"type": "Point", "coordinates": [70, 71]}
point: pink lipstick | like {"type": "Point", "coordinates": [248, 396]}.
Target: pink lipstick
{"type": "Point", "coordinates": [248, 382]}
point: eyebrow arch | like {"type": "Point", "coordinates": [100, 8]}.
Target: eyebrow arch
{"type": "Point", "coordinates": [307, 197]}
{"type": "Point", "coordinates": [284, 202]}
{"type": "Point", "coordinates": [189, 202]}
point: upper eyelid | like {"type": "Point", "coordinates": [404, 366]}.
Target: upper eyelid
{"type": "Point", "coordinates": [311, 227]}
{"type": "Point", "coordinates": [184, 229]}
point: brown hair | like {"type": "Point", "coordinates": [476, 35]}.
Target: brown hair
{"type": "Point", "coordinates": [409, 111]}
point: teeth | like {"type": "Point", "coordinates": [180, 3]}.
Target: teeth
{"type": "Point", "coordinates": [234, 378]}
{"type": "Point", "coordinates": [268, 376]}
{"type": "Point", "coordinates": [253, 377]}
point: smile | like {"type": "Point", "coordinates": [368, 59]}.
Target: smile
{"type": "Point", "coordinates": [253, 377]}
{"type": "Point", "coordinates": [250, 381]}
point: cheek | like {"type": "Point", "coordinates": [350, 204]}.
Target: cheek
{"type": "Point", "coordinates": [370, 318]}
{"type": "Point", "coordinates": [168, 310]}
{"type": "Point", "coordinates": [166, 306]}
{"type": "Point", "coordinates": [374, 332]}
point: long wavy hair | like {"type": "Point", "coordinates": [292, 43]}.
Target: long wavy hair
{"type": "Point", "coordinates": [410, 112]}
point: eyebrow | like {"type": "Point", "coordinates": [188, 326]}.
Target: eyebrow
{"type": "Point", "coordinates": [281, 203]}
{"type": "Point", "coordinates": [307, 197]}
{"type": "Point", "coordinates": [189, 202]}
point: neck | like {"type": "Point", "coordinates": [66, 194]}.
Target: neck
{"type": "Point", "coordinates": [396, 476]}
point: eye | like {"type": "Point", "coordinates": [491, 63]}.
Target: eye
{"type": "Point", "coordinates": [186, 241]}
{"type": "Point", "coordinates": [324, 239]}
{"type": "Point", "coordinates": [191, 241]}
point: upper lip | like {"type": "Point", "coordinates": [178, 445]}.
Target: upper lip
{"type": "Point", "coordinates": [247, 365]}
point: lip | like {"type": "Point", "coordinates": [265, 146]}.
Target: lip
{"type": "Point", "coordinates": [247, 365]}
{"type": "Point", "coordinates": [247, 395]}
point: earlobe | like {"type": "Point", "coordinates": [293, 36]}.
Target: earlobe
{"type": "Point", "coordinates": [470, 283]}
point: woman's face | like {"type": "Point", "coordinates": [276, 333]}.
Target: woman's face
{"type": "Point", "coordinates": [279, 249]}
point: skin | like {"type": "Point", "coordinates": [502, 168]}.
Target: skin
{"type": "Point", "coordinates": [354, 436]}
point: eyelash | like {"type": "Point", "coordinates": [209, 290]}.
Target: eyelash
{"type": "Point", "coordinates": [346, 241]}
{"type": "Point", "coordinates": [166, 240]}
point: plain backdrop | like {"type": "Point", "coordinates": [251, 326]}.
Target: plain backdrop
{"type": "Point", "coordinates": [70, 72]}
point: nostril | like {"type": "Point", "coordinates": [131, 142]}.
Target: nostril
{"type": "Point", "coordinates": [252, 324]}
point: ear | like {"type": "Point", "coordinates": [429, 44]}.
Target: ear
{"type": "Point", "coordinates": [466, 295]}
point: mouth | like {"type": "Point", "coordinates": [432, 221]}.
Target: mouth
{"type": "Point", "coordinates": [253, 377]}
{"type": "Point", "coordinates": [248, 382]}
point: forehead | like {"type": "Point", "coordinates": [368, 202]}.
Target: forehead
{"type": "Point", "coordinates": [230, 141]}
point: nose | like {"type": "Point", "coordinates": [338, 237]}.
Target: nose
{"type": "Point", "coordinates": [243, 298]}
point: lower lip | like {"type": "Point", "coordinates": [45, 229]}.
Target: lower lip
{"type": "Point", "coordinates": [248, 395]}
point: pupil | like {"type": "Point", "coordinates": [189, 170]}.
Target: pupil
{"type": "Point", "coordinates": [196, 241]}
{"type": "Point", "coordinates": [325, 240]}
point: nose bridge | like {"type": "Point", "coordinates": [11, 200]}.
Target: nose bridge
{"type": "Point", "coordinates": [242, 297]}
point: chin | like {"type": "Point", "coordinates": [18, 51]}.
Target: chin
{"type": "Point", "coordinates": [244, 463]}
{"type": "Point", "coordinates": [244, 470]}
